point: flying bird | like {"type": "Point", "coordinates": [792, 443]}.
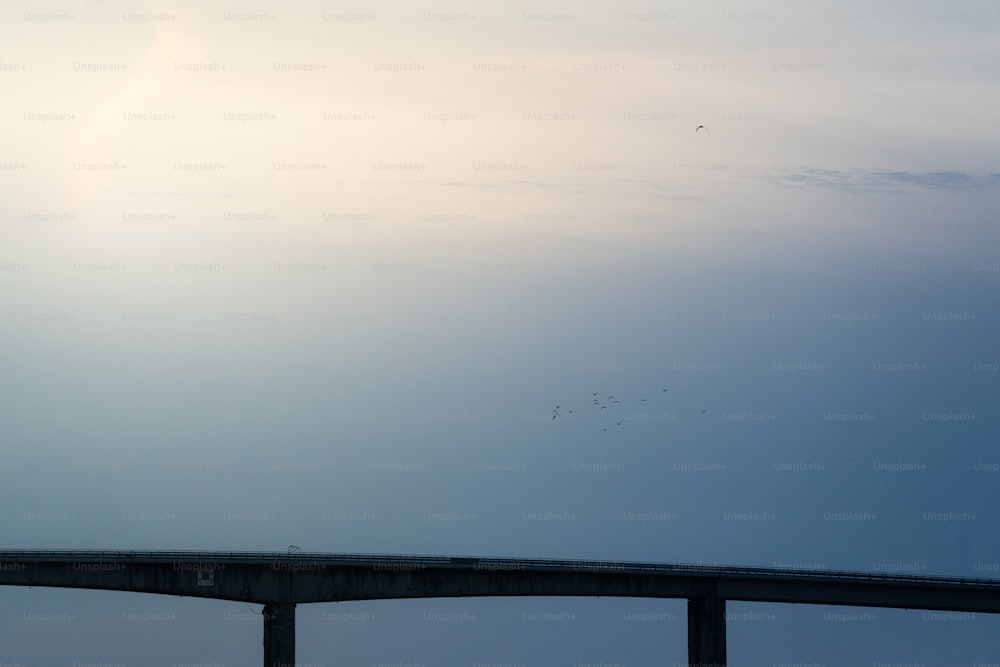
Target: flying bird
{"type": "Point", "coordinates": [701, 127]}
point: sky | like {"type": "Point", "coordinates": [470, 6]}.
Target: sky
{"type": "Point", "coordinates": [351, 276]}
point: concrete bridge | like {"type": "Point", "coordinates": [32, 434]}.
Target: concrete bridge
{"type": "Point", "coordinates": [280, 581]}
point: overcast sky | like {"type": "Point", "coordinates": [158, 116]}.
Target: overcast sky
{"type": "Point", "coordinates": [320, 274]}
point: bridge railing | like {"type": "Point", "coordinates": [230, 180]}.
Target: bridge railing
{"type": "Point", "coordinates": [494, 564]}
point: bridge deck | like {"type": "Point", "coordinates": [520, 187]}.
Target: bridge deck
{"type": "Point", "coordinates": [478, 563]}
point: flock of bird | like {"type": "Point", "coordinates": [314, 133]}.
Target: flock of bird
{"type": "Point", "coordinates": [600, 405]}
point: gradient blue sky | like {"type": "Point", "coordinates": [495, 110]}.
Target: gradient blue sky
{"type": "Point", "coordinates": [318, 274]}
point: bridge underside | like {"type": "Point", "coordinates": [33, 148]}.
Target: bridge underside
{"type": "Point", "coordinates": [706, 633]}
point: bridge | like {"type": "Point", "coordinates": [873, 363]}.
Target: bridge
{"type": "Point", "coordinates": [280, 581]}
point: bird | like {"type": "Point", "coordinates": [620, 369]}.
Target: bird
{"type": "Point", "coordinates": [619, 423]}
{"type": "Point", "coordinates": [704, 411]}
{"type": "Point", "coordinates": [701, 127]}
{"type": "Point", "coordinates": [292, 548]}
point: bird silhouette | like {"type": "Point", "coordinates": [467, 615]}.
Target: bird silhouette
{"type": "Point", "coordinates": [701, 127]}
{"type": "Point", "coordinates": [612, 400]}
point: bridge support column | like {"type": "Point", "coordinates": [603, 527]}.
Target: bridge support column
{"type": "Point", "coordinates": [279, 634]}
{"type": "Point", "coordinates": [707, 631]}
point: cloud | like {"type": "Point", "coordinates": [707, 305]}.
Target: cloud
{"type": "Point", "coordinates": [881, 180]}
{"type": "Point", "coordinates": [509, 185]}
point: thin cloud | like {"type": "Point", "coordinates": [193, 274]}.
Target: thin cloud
{"type": "Point", "coordinates": [506, 184]}
{"type": "Point", "coordinates": [881, 180]}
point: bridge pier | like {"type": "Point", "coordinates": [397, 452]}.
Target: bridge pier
{"type": "Point", "coordinates": [707, 631]}
{"type": "Point", "coordinates": [279, 634]}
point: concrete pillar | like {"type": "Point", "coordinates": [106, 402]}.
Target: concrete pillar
{"type": "Point", "coordinates": [706, 631]}
{"type": "Point", "coordinates": [279, 634]}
